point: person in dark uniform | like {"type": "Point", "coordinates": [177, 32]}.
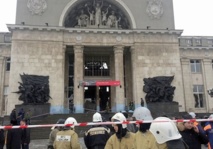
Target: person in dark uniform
{"type": "Point", "coordinates": [97, 136]}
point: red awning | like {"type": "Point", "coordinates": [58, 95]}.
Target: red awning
{"type": "Point", "coordinates": [100, 83]}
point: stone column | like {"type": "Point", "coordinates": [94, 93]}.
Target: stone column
{"type": "Point", "coordinates": [2, 74]}
{"type": "Point", "coordinates": [187, 86]}
{"type": "Point", "coordinates": [78, 76]}
{"type": "Point", "coordinates": [208, 83]}
{"type": "Point", "coordinates": [135, 88]}
{"type": "Point", "coordinates": [119, 76]}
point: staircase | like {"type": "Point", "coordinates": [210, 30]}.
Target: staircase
{"type": "Point", "coordinates": [43, 133]}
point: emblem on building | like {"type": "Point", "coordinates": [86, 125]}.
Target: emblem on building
{"type": "Point", "coordinates": [37, 7]}
{"type": "Point", "coordinates": [155, 9]}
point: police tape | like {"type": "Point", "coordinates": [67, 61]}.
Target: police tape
{"type": "Point", "coordinates": [103, 123]}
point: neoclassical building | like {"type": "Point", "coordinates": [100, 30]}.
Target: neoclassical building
{"type": "Point", "coordinates": [100, 51]}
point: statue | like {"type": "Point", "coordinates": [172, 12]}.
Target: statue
{"type": "Point", "coordinates": [82, 19]}
{"type": "Point", "coordinates": [111, 22]}
{"type": "Point", "coordinates": [98, 7]}
{"type": "Point", "coordinates": [34, 89]}
{"type": "Point", "coordinates": [91, 16]}
{"type": "Point", "coordinates": [104, 16]}
{"type": "Point", "coordinates": [158, 89]}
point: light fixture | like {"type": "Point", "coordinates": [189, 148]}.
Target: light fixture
{"type": "Point", "coordinates": [23, 23]}
{"type": "Point", "coordinates": [46, 24]}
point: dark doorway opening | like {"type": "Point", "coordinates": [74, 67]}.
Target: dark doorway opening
{"type": "Point", "coordinates": [97, 98]}
{"type": "Point", "coordinates": [104, 96]}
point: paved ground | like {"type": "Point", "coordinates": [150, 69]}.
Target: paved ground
{"type": "Point", "coordinates": [42, 144]}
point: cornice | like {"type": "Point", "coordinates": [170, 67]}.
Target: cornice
{"type": "Point", "coordinates": [13, 27]}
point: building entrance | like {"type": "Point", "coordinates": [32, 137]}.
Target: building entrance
{"type": "Point", "coordinates": [96, 98]}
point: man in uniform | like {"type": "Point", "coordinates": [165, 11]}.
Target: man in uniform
{"type": "Point", "coordinates": [67, 138]}
{"type": "Point", "coordinates": [97, 136]}
{"type": "Point", "coordinates": [122, 139]}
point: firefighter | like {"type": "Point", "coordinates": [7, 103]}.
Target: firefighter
{"type": "Point", "coordinates": [97, 136]}
{"type": "Point", "coordinates": [144, 138]}
{"type": "Point", "coordinates": [166, 133]}
{"type": "Point", "coordinates": [122, 139]}
{"type": "Point", "coordinates": [67, 138]}
{"type": "Point", "coordinates": [55, 130]}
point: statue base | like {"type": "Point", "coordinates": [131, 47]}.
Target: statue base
{"type": "Point", "coordinates": [35, 109]}
{"type": "Point", "coordinates": [163, 108]}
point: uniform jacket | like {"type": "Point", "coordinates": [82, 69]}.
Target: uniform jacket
{"type": "Point", "coordinates": [66, 139]}
{"type": "Point", "coordinates": [191, 138]}
{"type": "Point", "coordinates": [209, 131]}
{"type": "Point", "coordinates": [127, 142]}
{"type": "Point", "coordinates": [147, 141]}
{"type": "Point", "coordinates": [52, 136]}
{"type": "Point", "coordinates": [96, 137]}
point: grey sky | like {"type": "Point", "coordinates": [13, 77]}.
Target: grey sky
{"type": "Point", "coordinates": [193, 16]}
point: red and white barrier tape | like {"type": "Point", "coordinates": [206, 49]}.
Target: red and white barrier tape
{"type": "Point", "coordinates": [102, 123]}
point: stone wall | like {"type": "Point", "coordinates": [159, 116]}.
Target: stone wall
{"type": "Point", "coordinates": [38, 53]}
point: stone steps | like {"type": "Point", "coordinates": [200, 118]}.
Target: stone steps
{"type": "Point", "coordinates": [43, 133]}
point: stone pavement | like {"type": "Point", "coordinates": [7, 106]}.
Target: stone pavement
{"type": "Point", "coordinates": [42, 144]}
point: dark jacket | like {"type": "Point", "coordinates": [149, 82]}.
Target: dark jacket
{"type": "Point", "coordinates": [96, 137]}
{"type": "Point", "coordinates": [14, 139]}
{"type": "Point", "coordinates": [2, 136]}
{"type": "Point", "coordinates": [25, 139]}
{"type": "Point", "coordinates": [191, 138]}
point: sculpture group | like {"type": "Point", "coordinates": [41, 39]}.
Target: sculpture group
{"type": "Point", "coordinates": [159, 89]}
{"type": "Point", "coordinates": [98, 16]}
{"type": "Point", "coordinates": [34, 89]}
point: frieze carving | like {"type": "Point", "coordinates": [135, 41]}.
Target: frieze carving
{"type": "Point", "coordinates": [37, 7]}
{"type": "Point", "coordinates": [155, 9]}
{"type": "Point", "coordinates": [159, 89]}
{"type": "Point", "coordinates": [97, 14]}
{"type": "Point", "coordinates": [34, 89]}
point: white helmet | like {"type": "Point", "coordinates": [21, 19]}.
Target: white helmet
{"type": "Point", "coordinates": [71, 120]}
{"type": "Point", "coordinates": [164, 131]}
{"type": "Point", "coordinates": [192, 114]}
{"type": "Point", "coordinates": [142, 113]}
{"type": "Point", "coordinates": [211, 116]}
{"type": "Point", "coordinates": [120, 117]}
{"type": "Point", "coordinates": [97, 117]}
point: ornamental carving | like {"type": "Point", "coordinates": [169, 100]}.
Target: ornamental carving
{"type": "Point", "coordinates": [34, 89]}
{"type": "Point", "coordinates": [155, 9]}
{"type": "Point", "coordinates": [159, 89]}
{"type": "Point", "coordinates": [37, 7]}
{"type": "Point", "coordinates": [97, 14]}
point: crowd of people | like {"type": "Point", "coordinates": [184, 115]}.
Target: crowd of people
{"type": "Point", "coordinates": [159, 133]}
{"type": "Point", "coordinates": [16, 138]}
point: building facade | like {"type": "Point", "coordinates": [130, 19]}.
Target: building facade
{"type": "Point", "coordinates": [81, 42]}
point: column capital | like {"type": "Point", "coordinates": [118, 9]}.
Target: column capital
{"type": "Point", "coordinates": [78, 49]}
{"type": "Point", "coordinates": [207, 61]}
{"type": "Point", "coordinates": [184, 61]}
{"type": "Point", "coordinates": [118, 49]}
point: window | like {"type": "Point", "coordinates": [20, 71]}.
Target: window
{"type": "Point", "coordinates": [96, 66]}
{"type": "Point", "coordinates": [198, 96]}
{"type": "Point", "coordinates": [6, 90]}
{"type": "Point", "coordinates": [210, 42]}
{"type": "Point", "coordinates": [7, 38]}
{"type": "Point", "coordinates": [195, 66]}
{"type": "Point", "coordinates": [189, 42]}
{"type": "Point", "coordinates": [8, 64]}
{"type": "Point", "coordinates": [198, 42]}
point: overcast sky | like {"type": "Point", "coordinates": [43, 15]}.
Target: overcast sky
{"type": "Point", "coordinates": [195, 17]}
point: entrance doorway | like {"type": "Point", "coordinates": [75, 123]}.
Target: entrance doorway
{"type": "Point", "coordinates": [97, 98]}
